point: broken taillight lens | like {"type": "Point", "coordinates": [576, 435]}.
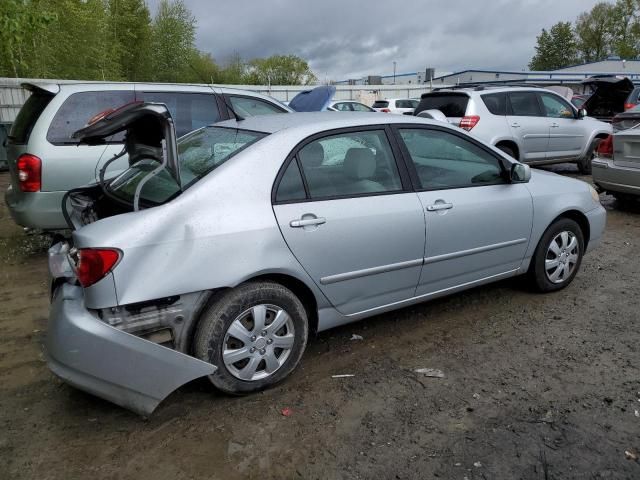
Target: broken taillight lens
{"type": "Point", "coordinates": [29, 173]}
{"type": "Point", "coordinates": [93, 264]}
{"type": "Point", "coordinates": [469, 122]}
{"type": "Point", "coordinates": [605, 147]}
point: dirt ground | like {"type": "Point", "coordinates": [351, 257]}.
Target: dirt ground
{"type": "Point", "coordinates": [535, 387]}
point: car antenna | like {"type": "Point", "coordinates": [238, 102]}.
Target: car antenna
{"type": "Point", "coordinates": [224, 98]}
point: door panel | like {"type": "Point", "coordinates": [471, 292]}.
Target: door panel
{"type": "Point", "coordinates": [484, 232]}
{"type": "Point", "coordinates": [362, 252]}
{"type": "Point", "coordinates": [566, 133]}
{"type": "Point", "coordinates": [528, 124]}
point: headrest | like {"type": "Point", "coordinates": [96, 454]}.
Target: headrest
{"type": "Point", "coordinates": [359, 163]}
{"type": "Point", "coordinates": [312, 155]}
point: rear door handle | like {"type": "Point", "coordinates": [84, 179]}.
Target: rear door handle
{"type": "Point", "coordinates": [307, 222]}
{"type": "Point", "coordinates": [515, 125]}
{"type": "Point", "coordinates": [439, 206]}
{"type": "Point", "coordinates": [554, 125]}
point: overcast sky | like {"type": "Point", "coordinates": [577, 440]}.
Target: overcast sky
{"type": "Point", "coordinates": [349, 39]}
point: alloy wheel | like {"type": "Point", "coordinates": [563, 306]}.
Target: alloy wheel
{"type": "Point", "coordinates": [562, 256]}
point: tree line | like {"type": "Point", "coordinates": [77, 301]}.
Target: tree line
{"type": "Point", "coordinates": [607, 29]}
{"type": "Point", "coordinates": [119, 40]}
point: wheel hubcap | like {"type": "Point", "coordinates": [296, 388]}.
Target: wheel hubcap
{"type": "Point", "coordinates": [562, 257]}
{"type": "Point", "coordinates": [258, 342]}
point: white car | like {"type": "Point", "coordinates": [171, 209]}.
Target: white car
{"type": "Point", "coordinates": [348, 106]}
{"type": "Point", "coordinates": [396, 105]}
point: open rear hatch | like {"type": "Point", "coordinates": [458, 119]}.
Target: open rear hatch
{"type": "Point", "coordinates": [608, 97]}
{"type": "Point", "coordinates": [151, 144]}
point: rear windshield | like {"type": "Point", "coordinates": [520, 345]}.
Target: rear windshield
{"type": "Point", "coordinates": [380, 104]}
{"type": "Point", "coordinates": [633, 96]}
{"type": "Point", "coordinates": [79, 108]}
{"type": "Point", "coordinates": [451, 104]}
{"type": "Point", "coordinates": [28, 116]}
{"type": "Point", "coordinates": [199, 153]}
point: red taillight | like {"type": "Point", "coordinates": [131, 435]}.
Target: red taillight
{"type": "Point", "coordinates": [385, 110]}
{"type": "Point", "coordinates": [605, 147]}
{"type": "Point", "coordinates": [29, 172]}
{"type": "Point", "coordinates": [469, 122]}
{"type": "Point", "coordinates": [94, 263]}
{"type": "Point", "coordinates": [628, 106]}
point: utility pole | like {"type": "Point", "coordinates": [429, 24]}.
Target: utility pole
{"type": "Point", "coordinates": [394, 73]}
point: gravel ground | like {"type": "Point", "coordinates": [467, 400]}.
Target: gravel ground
{"type": "Point", "coordinates": [535, 387]}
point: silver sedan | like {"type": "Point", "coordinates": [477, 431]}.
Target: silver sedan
{"type": "Point", "coordinates": [220, 254]}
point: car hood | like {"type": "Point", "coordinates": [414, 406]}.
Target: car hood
{"type": "Point", "coordinates": [314, 100]}
{"type": "Point", "coordinates": [608, 97]}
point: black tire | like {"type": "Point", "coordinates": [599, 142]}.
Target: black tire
{"type": "Point", "coordinates": [508, 150]}
{"type": "Point", "coordinates": [584, 164]}
{"type": "Point", "coordinates": [218, 317]}
{"type": "Point", "coordinates": [538, 276]}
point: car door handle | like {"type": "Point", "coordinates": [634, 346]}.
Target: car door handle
{"type": "Point", "coordinates": [439, 206]}
{"type": "Point", "coordinates": [515, 125]}
{"type": "Point", "coordinates": [554, 125]}
{"type": "Point", "coordinates": [307, 222]}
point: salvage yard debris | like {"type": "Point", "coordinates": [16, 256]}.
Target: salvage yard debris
{"type": "Point", "coordinates": [344, 375]}
{"type": "Point", "coordinates": [430, 372]}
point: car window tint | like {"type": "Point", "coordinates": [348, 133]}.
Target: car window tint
{"type": "Point", "coordinates": [79, 108]}
{"type": "Point", "coordinates": [555, 107]}
{"type": "Point", "coordinates": [291, 186]}
{"type": "Point", "coordinates": [359, 107]}
{"type": "Point", "coordinates": [380, 104]}
{"type": "Point", "coordinates": [496, 103]}
{"type": "Point", "coordinates": [249, 107]}
{"type": "Point", "coordinates": [524, 104]}
{"type": "Point", "coordinates": [444, 160]}
{"type": "Point", "coordinates": [349, 164]}
{"type": "Point", "coordinates": [342, 107]}
{"type": "Point", "coordinates": [405, 104]}
{"type": "Point", "coordinates": [190, 111]}
{"type": "Point", "coordinates": [450, 104]}
{"type": "Point", "coordinates": [28, 116]}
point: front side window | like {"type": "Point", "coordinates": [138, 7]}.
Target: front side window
{"type": "Point", "coordinates": [250, 107]}
{"type": "Point", "coordinates": [444, 160]}
{"type": "Point", "coordinates": [199, 154]}
{"type": "Point", "coordinates": [347, 164]}
{"type": "Point", "coordinates": [555, 107]}
{"type": "Point", "coordinates": [359, 107]}
{"type": "Point", "coordinates": [79, 108]}
{"type": "Point", "coordinates": [525, 104]}
{"type": "Point", "coordinates": [190, 111]}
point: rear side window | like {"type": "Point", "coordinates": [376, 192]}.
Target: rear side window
{"type": "Point", "coordinates": [190, 111]}
{"type": "Point", "coordinates": [79, 108]}
{"type": "Point", "coordinates": [28, 116]}
{"type": "Point", "coordinates": [250, 107]}
{"type": "Point", "coordinates": [291, 187]}
{"type": "Point", "coordinates": [525, 104]}
{"type": "Point", "coordinates": [496, 103]}
{"type": "Point", "coordinates": [633, 97]}
{"type": "Point", "coordinates": [380, 104]}
{"type": "Point", "coordinates": [450, 104]}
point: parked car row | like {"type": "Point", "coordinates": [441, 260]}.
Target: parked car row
{"type": "Point", "coordinates": [211, 233]}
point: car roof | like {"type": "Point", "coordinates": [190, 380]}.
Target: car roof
{"type": "Point", "coordinates": [488, 89]}
{"type": "Point", "coordinates": [322, 120]}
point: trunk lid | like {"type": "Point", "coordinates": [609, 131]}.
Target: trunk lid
{"type": "Point", "coordinates": [626, 149]}
{"type": "Point", "coordinates": [315, 100]}
{"type": "Point", "coordinates": [608, 97]}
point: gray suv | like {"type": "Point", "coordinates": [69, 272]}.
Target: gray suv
{"type": "Point", "coordinates": [533, 125]}
{"type": "Point", "coordinates": [45, 161]}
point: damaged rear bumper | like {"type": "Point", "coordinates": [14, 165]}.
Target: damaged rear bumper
{"type": "Point", "coordinates": [127, 370]}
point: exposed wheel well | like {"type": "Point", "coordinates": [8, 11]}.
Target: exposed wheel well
{"type": "Point", "coordinates": [581, 220]}
{"type": "Point", "coordinates": [512, 146]}
{"type": "Point", "coordinates": [300, 290]}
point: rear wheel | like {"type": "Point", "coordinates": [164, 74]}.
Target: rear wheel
{"type": "Point", "coordinates": [584, 164]}
{"type": "Point", "coordinates": [558, 256]}
{"type": "Point", "coordinates": [255, 334]}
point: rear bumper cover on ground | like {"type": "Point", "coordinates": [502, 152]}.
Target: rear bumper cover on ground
{"type": "Point", "coordinates": [614, 178]}
{"type": "Point", "coordinates": [109, 363]}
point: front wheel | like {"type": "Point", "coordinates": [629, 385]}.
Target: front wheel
{"type": "Point", "coordinates": [558, 256]}
{"type": "Point", "coordinates": [255, 334]}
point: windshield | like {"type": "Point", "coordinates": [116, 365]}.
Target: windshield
{"type": "Point", "coordinates": [199, 153]}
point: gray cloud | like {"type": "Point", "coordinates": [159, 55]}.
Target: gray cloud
{"type": "Point", "coordinates": [348, 39]}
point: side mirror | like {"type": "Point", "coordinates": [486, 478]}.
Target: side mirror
{"type": "Point", "coordinates": [520, 173]}
{"type": "Point", "coordinates": [582, 113]}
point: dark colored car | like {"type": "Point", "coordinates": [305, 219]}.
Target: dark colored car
{"type": "Point", "coordinates": [632, 100]}
{"type": "Point", "coordinates": [608, 97]}
{"type": "Point", "coordinates": [627, 119]}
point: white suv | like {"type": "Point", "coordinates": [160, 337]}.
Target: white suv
{"type": "Point", "coordinates": [533, 125]}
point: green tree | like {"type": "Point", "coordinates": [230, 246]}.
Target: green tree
{"type": "Point", "coordinates": [625, 29]}
{"type": "Point", "coordinates": [234, 71]}
{"type": "Point", "coordinates": [130, 31]}
{"type": "Point", "coordinates": [555, 48]}
{"type": "Point", "coordinates": [202, 69]}
{"type": "Point", "coordinates": [280, 70]}
{"type": "Point", "coordinates": [173, 36]}
{"type": "Point", "coordinates": [594, 32]}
